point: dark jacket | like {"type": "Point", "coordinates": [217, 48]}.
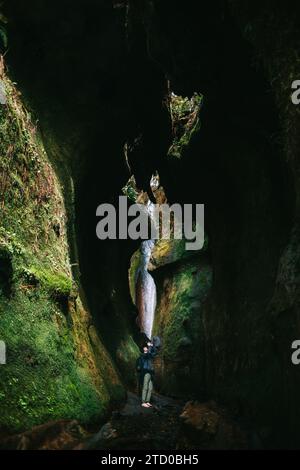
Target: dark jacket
{"type": "Point", "coordinates": [144, 364]}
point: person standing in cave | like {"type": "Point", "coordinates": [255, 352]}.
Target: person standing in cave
{"type": "Point", "coordinates": [145, 369]}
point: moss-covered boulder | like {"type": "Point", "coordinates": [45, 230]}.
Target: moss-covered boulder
{"type": "Point", "coordinates": [182, 292]}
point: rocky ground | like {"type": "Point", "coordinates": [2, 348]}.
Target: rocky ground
{"type": "Point", "coordinates": [169, 425]}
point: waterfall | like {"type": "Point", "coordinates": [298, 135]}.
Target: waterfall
{"type": "Point", "coordinates": [145, 285]}
{"type": "Point", "coordinates": [145, 288]}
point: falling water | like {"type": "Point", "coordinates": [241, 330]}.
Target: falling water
{"type": "Point", "coordinates": [145, 285]}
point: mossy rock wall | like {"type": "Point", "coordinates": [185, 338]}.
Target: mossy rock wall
{"type": "Point", "coordinates": [56, 365]}
{"type": "Point", "coordinates": [183, 289]}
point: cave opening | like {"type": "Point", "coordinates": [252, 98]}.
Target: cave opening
{"type": "Point", "coordinates": [92, 97]}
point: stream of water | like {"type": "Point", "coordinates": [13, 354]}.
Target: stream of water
{"type": "Point", "coordinates": [145, 285]}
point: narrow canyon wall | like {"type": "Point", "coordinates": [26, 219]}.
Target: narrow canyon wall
{"type": "Point", "coordinates": [56, 365]}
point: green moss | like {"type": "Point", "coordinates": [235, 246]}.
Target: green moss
{"type": "Point", "coordinates": [182, 291]}
{"type": "Point", "coordinates": [130, 189]}
{"type": "Point", "coordinates": [179, 298]}
{"type": "Point", "coordinates": [32, 204]}
{"type": "Point", "coordinates": [52, 369]}
{"type": "Point", "coordinates": [132, 273]}
{"type": "Point", "coordinates": [178, 321]}
{"type": "Point", "coordinates": [55, 283]}
{"type": "Point", "coordinates": [184, 114]}
{"type": "Point", "coordinates": [127, 354]}
{"type": "Point", "coordinates": [169, 251]}
{"type": "Point", "coordinates": [42, 380]}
